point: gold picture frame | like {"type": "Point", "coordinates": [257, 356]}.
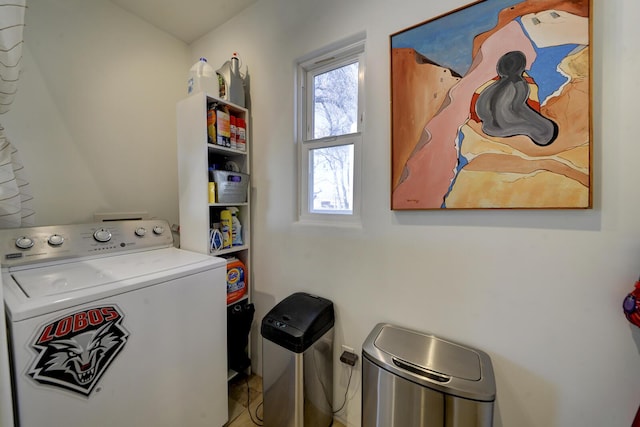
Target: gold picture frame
{"type": "Point", "coordinates": [491, 108]}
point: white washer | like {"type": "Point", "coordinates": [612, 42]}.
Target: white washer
{"type": "Point", "coordinates": [110, 325]}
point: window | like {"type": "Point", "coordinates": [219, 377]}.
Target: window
{"type": "Point", "coordinates": [330, 118]}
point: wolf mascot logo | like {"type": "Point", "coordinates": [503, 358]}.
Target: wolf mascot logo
{"type": "Point", "coordinates": [76, 350]}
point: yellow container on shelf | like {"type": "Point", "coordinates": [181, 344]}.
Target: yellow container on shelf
{"type": "Point", "coordinates": [225, 228]}
{"type": "Point", "coordinates": [211, 126]}
{"type": "Point", "coordinates": [236, 280]}
{"type": "Point", "coordinates": [212, 192]}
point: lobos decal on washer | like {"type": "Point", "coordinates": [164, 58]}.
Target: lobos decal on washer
{"type": "Point", "coordinates": [74, 351]}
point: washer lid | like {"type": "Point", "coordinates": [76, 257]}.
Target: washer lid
{"type": "Point", "coordinates": [73, 276]}
{"type": "Point", "coordinates": [38, 283]}
{"type": "Point", "coordinates": [33, 291]}
{"type": "Point", "coordinates": [430, 353]}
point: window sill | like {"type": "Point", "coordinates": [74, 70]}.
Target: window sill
{"type": "Point", "coordinates": [335, 223]}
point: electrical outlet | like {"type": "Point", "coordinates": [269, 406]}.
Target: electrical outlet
{"type": "Point", "coordinates": [348, 356]}
{"type": "Point", "coordinates": [347, 348]}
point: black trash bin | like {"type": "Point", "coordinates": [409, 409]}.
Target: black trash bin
{"type": "Point", "coordinates": [297, 362]}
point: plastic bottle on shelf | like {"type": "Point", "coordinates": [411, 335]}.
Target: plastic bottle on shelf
{"type": "Point", "coordinates": [235, 64]}
{"type": "Point", "coordinates": [241, 134]}
{"type": "Point", "coordinates": [212, 192]}
{"type": "Point", "coordinates": [236, 280]}
{"type": "Point", "coordinates": [226, 228]}
{"type": "Point", "coordinates": [237, 83]}
{"type": "Point", "coordinates": [236, 227]}
{"type": "Point", "coordinates": [202, 78]}
{"type": "Point", "coordinates": [234, 131]}
{"type": "Point", "coordinates": [231, 85]}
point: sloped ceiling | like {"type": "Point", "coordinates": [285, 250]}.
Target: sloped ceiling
{"type": "Point", "coordinates": [188, 20]}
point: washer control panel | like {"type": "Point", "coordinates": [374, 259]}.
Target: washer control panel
{"type": "Point", "coordinates": [22, 246]}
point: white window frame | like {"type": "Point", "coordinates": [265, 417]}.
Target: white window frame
{"type": "Point", "coordinates": [331, 57]}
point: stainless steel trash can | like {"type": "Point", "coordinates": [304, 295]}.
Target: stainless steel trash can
{"type": "Point", "coordinates": [410, 378]}
{"type": "Point", "coordinates": [297, 362]}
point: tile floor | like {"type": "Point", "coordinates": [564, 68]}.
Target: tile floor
{"type": "Point", "coordinates": [239, 416]}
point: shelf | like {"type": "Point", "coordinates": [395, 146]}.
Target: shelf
{"type": "Point", "coordinates": [230, 250]}
{"type": "Point", "coordinates": [222, 205]}
{"type": "Point", "coordinates": [197, 156]}
{"type": "Point", "coordinates": [231, 374]}
{"type": "Point", "coordinates": [245, 298]}
{"type": "Point", "coordinates": [215, 100]}
{"type": "Point", "coordinates": [223, 149]}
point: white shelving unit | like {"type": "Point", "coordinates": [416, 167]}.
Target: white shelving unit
{"type": "Point", "coordinates": [195, 154]}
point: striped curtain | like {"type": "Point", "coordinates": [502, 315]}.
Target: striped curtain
{"type": "Point", "coordinates": [15, 197]}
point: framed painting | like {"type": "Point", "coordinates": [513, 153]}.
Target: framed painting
{"type": "Point", "coordinates": [491, 108]}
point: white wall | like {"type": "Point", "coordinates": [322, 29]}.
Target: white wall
{"type": "Point", "coordinates": [94, 118]}
{"type": "Point", "coordinates": [540, 291]}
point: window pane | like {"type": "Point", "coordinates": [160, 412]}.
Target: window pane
{"type": "Point", "coordinates": [331, 183]}
{"type": "Point", "coordinates": [335, 98]}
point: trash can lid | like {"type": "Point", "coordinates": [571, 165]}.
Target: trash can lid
{"type": "Point", "coordinates": [434, 362]}
{"type": "Point", "coordinates": [298, 321]}
{"type": "Point", "coordinates": [429, 352]}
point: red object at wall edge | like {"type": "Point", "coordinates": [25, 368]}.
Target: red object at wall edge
{"type": "Point", "coordinates": [631, 306]}
{"type": "Point", "coordinates": [636, 420]}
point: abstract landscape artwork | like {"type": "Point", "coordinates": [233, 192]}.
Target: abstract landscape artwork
{"type": "Point", "coordinates": [491, 108]}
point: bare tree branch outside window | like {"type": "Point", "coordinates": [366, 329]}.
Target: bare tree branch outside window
{"type": "Point", "coordinates": [335, 114]}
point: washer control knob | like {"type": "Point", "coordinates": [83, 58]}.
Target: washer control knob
{"type": "Point", "coordinates": [158, 229]}
{"type": "Point", "coordinates": [141, 231]}
{"type": "Point", "coordinates": [56, 240]}
{"type": "Point", "coordinates": [103, 235]}
{"type": "Point", "coordinates": [24, 242]}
